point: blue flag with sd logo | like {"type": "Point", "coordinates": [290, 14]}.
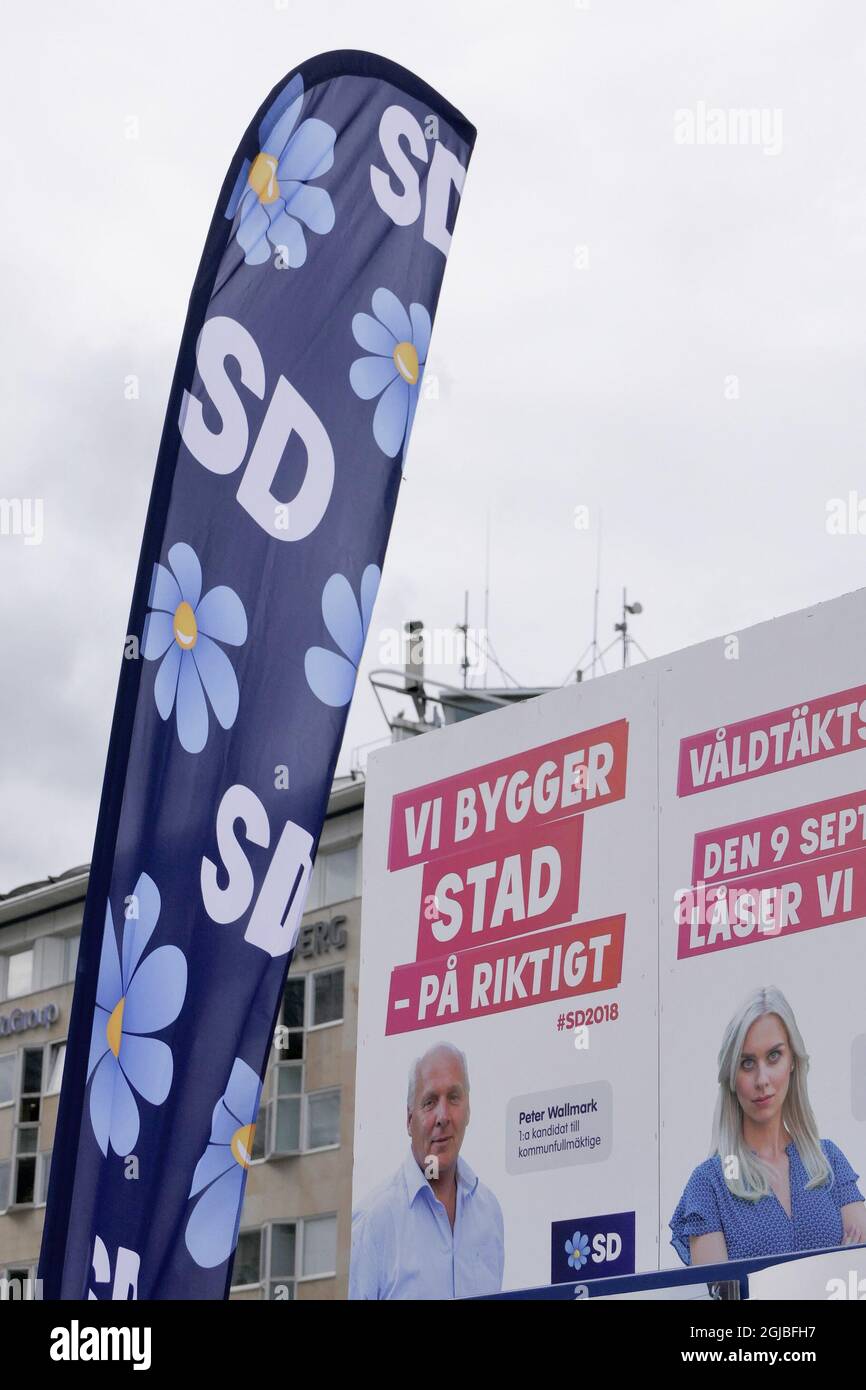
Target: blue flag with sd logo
{"type": "Point", "coordinates": [290, 413]}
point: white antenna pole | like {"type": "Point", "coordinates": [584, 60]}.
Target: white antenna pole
{"type": "Point", "coordinates": [486, 598]}
{"type": "Point", "coordinates": [624, 630]}
{"type": "Point", "coordinates": [595, 601]}
{"type": "Point", "coordinates": [464, 628]}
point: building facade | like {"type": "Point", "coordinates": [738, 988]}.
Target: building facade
{"type": "Point", "coordinates": [295, 1230]}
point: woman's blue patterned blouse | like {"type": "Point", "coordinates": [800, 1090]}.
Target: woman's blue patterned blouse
{"type": "Point", "coordinates": [753, 1229]}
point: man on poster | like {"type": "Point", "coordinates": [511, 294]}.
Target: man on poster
{"type": "Point", "coordinates": [434, 1230]}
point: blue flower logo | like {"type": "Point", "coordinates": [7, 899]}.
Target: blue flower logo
{"type": "Point", "coordinates": [332, 677]}
{"type": "Point", "coordinates": [577, 1250]}
{"type": "Point", "coordinates": [220, 1174]}
{"type": "Point", "coordinates": [184, 632]}
{"type": "Point", "coordinates": [399, 342]}
{"type": "Point", "coordinates": [134, 998]}
{"type": "Point", "coordinates": [275, 194]}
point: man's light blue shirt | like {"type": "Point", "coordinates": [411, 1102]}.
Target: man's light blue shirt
{"type": "Point", "coordinates": [403, 1245]}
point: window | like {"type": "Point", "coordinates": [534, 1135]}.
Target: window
{"type": "Point", "coordinates": [43, 1173]}
{"type": "Point", "coordinates": [50, 961]}
{"type": "Point", "coordinates": [71, 964]}
{"type": "Point", "coordinates": [32, 1172]}
{"type": "Point", "coordinates": [320, 1247]}
{"type": "Point", "coordinates": [259, 1134]}
{"type": "Point", "coordinates": [24, 1160]}
{"type": "Point", "coordinates": [323, 1119]}
{"type": "Point", "coordinates": [7, 1078]}
{"type": "Point", "coordinates": [295, 1250]}
{"type": "Point", "coordinates": [294, 1121]}
{"type": "Point", "coordinates": [284, 1117]}
{"type": "Point", "coordinates": [298, 1123]}
{"type": "Point", "coordinates": [341, 875]}
{"type": "Point", "coordinates": [291, 1042]}
{"type": "Point", "coordinates": [30, 1095]}
{"type": "Point", "coordinates": [327, 996]}
{"type": "Point", "coordinates": [39, 1072]}
{"type": "Point", "coordinates": [246, 1269]}
{"type": "Point", "coordinates": [325, 1005]}
{"type": "Point", "coordinates": [283, 1259]}
{"type": "Point", "coordinates": [335, 877]}
{"type": "Point", "coordinates": [19, 979]}
{"type": "Point", "coordinates": [54, 1073]}
{"type": "Point", "coordinates": [25, 1140]}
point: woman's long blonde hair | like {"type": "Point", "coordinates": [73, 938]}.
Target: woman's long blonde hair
{"type": "Point", "coordinates": [748, 1177]}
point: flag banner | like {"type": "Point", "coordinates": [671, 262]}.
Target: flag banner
{"type": "Point", "coordinates": [299, 373]}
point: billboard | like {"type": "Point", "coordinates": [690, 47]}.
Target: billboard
{"type": "Point", "coordinates": [763, 875]}
{"type": "Point", "coordinates": [579, 911]}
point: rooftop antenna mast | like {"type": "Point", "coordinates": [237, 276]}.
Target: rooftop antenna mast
{"type": "Point", "coordinates": [593, 650]}
{"type": "Point", "coordinates": [464, 628]}
{"type": "Point", "coordinates": [627, 640]}
{"type": "Point", "coordinates": [414, 667]}
{"type": "Point", "coordinates": [595, 599]}
{"type": "Point", "coordinates": [486, 599]}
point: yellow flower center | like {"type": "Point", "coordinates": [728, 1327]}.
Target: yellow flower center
{"type": "Point", "coordinates": [185, 626]}
{"type": "Point", "coordinates": [242, 1145]}
{"type": "Point", "coordinates": [406, 362]}
{"type": "Point", "coordinates": [263, 178]}
{"type": "Point", "coordinates": [114, 1027]}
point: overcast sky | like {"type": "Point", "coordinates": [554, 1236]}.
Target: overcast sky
{"type": "Point", "coordinates": [695, 374]}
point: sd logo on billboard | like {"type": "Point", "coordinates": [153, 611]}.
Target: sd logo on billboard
{"type": "Point", "coordinates": [592, 1247]}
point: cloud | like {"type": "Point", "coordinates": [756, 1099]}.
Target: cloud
{"type": "Point", "coordinates": [560, 386]}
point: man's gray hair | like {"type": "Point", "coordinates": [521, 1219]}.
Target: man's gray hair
{"type": "Point", "coordinates": [415, 1068]}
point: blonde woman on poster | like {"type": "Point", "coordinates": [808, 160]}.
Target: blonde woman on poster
{"type": "Point", "coordinates": [771, 1186]}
